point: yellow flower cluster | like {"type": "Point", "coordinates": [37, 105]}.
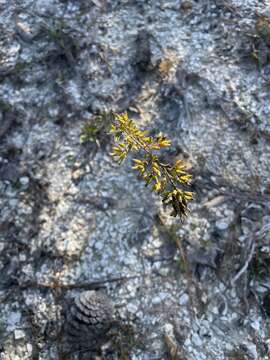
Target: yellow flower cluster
{"type": "Point", "coordinates": [170, 181]}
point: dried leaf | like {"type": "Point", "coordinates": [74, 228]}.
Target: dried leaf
{"type": "Point", "coordinates": [175, 352]}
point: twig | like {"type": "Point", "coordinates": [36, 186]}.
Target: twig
{"type": "Point", "coordinates": [244, 268]}
{"type": "Point", "coordinates": [65, 287]}
{"type": "Point", "coordinates": [188, 273]}
{"type": "Point", "coordinates": [9, 119]}
{"type": "Point", "coordinates": [225, 302]}
{"type": "Point", "coordinates": [260, 233]}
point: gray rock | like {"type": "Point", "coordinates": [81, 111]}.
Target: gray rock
{"type": "Point", "coordinates": [183, 299]}
{"type": "Point", "coordinates": [196, 340]}
{"type": "Point", "coordinates": [19, 334]}
{"type": "Point", "coordinates": [24, 181]}
{"type": "Point", "coordinates": [253, 212]}
{"type": "Point", "coordinates": [14, 319]}
{"type": "Point", "coordinates": [9, 172]}
{"type": "Point", "coordinates": [222, 224]}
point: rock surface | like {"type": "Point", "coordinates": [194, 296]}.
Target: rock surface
{"type": "Point", "coordinates": [71, 219]}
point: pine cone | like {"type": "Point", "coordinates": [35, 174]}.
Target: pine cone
{"type": "Point", "coordinates": [89, 320]}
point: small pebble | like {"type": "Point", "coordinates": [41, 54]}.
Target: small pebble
{"type": "Point", "coordinates": [29, 348]}
{"type": "Point", "coordinates": [183, 299]}
{"type": "Point", "coordinates": [196, 340]}
{"type": "Point", "coordinates": [222, 225]}
{"type": "Point", "coordinates": [19, 334]}
{"type": "Point", "coordinates": [24, 181]}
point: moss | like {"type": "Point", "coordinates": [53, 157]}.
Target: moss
{"type": "Point", "coordinates": [236, 354]}
{"type": "Point", "coordinates": [96, 128]}
{"type": "Point", "coordinates": [57, 31]}
{"type": "Point", "coordinates": [124, 341]}
{"type": "Point", "coordinates": [260, 265]}
{"type": "Point", "coordinates": [71, 158]}
{"type": "Point", "coordinates": [262, 28]}
{"type": "Point", "coordinates": [60, 34]}
{"type": "Point", "coordinates": [4, 106]}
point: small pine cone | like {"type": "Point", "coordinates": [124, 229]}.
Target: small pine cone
{"type": "Point", "coordinates": [89, 320]}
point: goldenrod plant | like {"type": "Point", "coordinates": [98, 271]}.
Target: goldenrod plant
{"type": "Point", "coordinates": [170, 181]}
